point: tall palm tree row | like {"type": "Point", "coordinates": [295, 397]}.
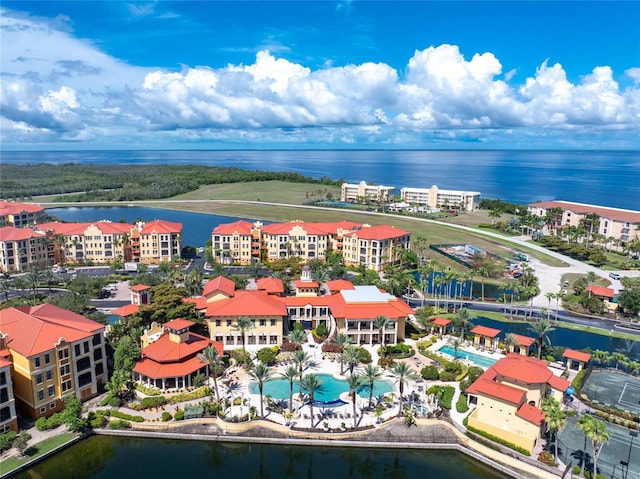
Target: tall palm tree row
{"type": "Point", "coordinates": [261, 373]}
{"type": "Point", "coordinates": [402, 373]}
{"type": "Point", "coordinates": [210, 356]}
{"type": "Point", "coordinates": [311, 383]}
{"type": "Point", "coordinates": [342, 340]}
{"type": "Point", "coordinates": [350, 356]}
{"type": "Point", "coordinates": [381, 323]}
{"type": "Point", "coordinates": [301, 359]}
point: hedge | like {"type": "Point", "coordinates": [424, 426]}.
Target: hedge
{"type": "Point", "coordinates": [166, 416]}
{"type": "Point", "coordinates": [197, 394]}
{"type": "Point", "coordinates": [6, 440]}
{"type": "Point", "coordinates": [447, 394]}
{"type": "Point", "coordinates": [497, 439]}
{"type": "Point", "coordinates": [126, 416]}
{"type": "Point", "coordinates": [179, 416]}
{"type": "Point", "coordinates": [461, 404]}
{"type": "Point", "coordinates": [429, 372]}
{"type": "Point", "coordinates": [152, 401]}
{"type": "Point", "coordinates": [119, 424]}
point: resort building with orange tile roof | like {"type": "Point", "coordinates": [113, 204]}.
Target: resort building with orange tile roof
{"type": "Point", "coordinates": [21, 249]}
{"type": "Point", "coordinates": [508, 399]}
{"type": "Point", "coordinates": [55, 353]}
{"type": "Point", "coordinates": [373, 246]}
{"type": "Point", "coordinates": [170, 355]}
{"type": "Point", "coordinates": [106, 241]}
{"type": "Point", "coordinates": [620, 224]}
{"type": "Point", "coordinates": [13, 213]}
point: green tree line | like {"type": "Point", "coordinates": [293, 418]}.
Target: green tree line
{"type": "Point", "coordinates": [128, 182]}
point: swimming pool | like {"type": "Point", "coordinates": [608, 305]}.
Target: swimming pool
{"type": "Point", "coordinates": [477, 359]}
{"type": "Point", "coordinates": [328, 393]}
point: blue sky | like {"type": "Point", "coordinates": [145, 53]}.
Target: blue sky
{"type": "Point", "coordinates": [295, 74]}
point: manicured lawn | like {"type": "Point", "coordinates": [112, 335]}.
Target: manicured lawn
{"type": "Point", "coordinates": [36, 450]}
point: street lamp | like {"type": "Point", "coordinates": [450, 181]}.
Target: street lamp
{"type": "Point", "coordinates": [633, 435]}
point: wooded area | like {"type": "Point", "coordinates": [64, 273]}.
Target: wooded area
{"type": "Point", "coordinates": [127, 182]}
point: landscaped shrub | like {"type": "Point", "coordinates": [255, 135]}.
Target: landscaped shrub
{"type": "Point", "coordinates": [149, 391]}
{"type": "Point", "coordinates": [197, 394]}
{"type": "Point", "coordinates": [288, 346]}
{"type": "Point", "coordinates": [6, 440]}
{"type": "Point", "coordinates": [321, 331]}
{"type": "Point", "coordinates": [193, 410]}
{"type": "Point", "coordinates": [331, 348]}
{"type": "Point", "coordinates": [51, 422]}
{"type": "Point", "coordinates": [119, 424]}
{"type": "Point", "coordinates": [545, 457]}
{"type": "Point", "coordinates": [126, 416]}
{"type": "Point", "coordinates": [429, 373]}
{"type": "Point", "coordinates": [473, 373]}
{"type": "Point", "coordinates": [152, 401]}
{"type": "Point", "coordinates": [444, 394]}
{"type": "Point", "coordinates": [399, 351]}
{"type": "Point", "coordinates": [447, 376]}
{"type": "Point", "coordinates": [268, 355]}
{"type": "Point", "coordinates": [179, 416]}
{"type": "Point", "coordinates": [96, 420]}
{"type": "Point", "coordinates": [166, 416]}
{"type": "Point", "coordinates": [364, 356]}
{"type": "Point", "coordinates": [461, 404]}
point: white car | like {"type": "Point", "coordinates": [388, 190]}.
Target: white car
{"type": "Point", "coordinates": [615, 276]}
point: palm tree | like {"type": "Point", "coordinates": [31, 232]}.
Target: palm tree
{"type": "Point", "coordinates": [509, 341]}
{"type": "Point", "coordinates": [584, 424]}
{"type": "Point", "coordinates": [297, 337]}
{"type": "Point", "coordinates": [311, 383]}
{"type": "Point", "coordinates": [619, 358]}
{"type": "Point", "coordinates": [455, 343]}
{"type": "Point", "coordinates": [5, 287]}
{"type": "Point", "coordinates": [49, 278]}
{"type": "Point", "coordinates": [350, 356]}
{"type": "Point", "coordinates": [261, 373]}
{"type": "Point", "coordinates": [290, 374]}
{"type": "Point", "coordinates": [301, 360]}
{"type": "Point", "coordinates": [342, 340]}
{"type": "Point", "coordinates": [463, 318]}
{"type": "Point", "coordinates": [599, 437]}
{"type": "Point", "coordinates": [381, 323]}
{"type": "Point", "coordinates": [209, 355]}
{"type": "Point", "coordinates": [555, 419]}
{"type": "Point", "coordinates": [243, 324]}
{"type": "Point", "coordinates": [542, 327]}
{"type": "Point", "coordinates": [33, 278]}
{"type": "Point", "coordinates": [402, 374]}
{"type": "Point", "coordinates": [371, 374]}
{"type": "Point", "coordinates": [550, 296]}
{"type": "Point", "coordinates": [354, 381]}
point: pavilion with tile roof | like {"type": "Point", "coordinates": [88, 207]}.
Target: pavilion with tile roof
{"type": "Point", "coordinates": [485, 338]}
{"type": "Point", "coordinates": [575, 360]}
{"type": "Point", "coordinates": [441, 325]}
{"type": "Point", "coordinates": [523, 344]}
{"type": "Point", "coordinates": [170, 361]}
{"type": "Point", "coordinates": [271, 285]}
{"type": "Point", "coordinates": [508, 399]}
{"type": "Point", "coordinates": [140, 294]}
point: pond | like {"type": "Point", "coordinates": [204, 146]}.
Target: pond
{"type": "Point", "coordinates": [105, 457]}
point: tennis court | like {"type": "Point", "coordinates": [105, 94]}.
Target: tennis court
{"type": "Point", "coordinates": [615, 389]}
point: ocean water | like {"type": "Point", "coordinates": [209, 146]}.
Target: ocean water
{"type": "Point", "coordinates": [607, 178]}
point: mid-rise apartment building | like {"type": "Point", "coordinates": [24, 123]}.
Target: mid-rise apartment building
{"type": "Point", "coordinates": [55, 353]}
{"type": "Point", "coordinates": [21, 249]}
{"type": "Point", "coordinates": [354, 191]}
{"type": "Point", "coordinates": [20, 215]}
{"type": "Point", "coordinates": [242, 242]}
{"type": "Point", "coordinates": [435, 198]}
{"type": "Point", "coordinates": [8, 416]}
{"type": "Point", "coordinates": [620, 224]}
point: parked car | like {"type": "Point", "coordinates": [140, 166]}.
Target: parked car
{"type": "Point", "coordinates": [615, 276]}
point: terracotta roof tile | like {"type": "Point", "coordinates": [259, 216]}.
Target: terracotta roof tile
{"type": "Point", "coordinates": [140, 287]}
{"type": "Point", "coordinates": [221, 284]}
{"type": "Point", "coordinates": [34, 330]}
{"type": "Point", "coordinates": [339, 285]}
{"type": "Point", "coordinates": [485, 331]}
{"type": "Point", "coordinates": [577, 355]}
{"type": "Point", "coordinates": [16, 208]}
{"type": "Point", "coordinates": [11, 233]}
{"type": "Point", "coordinates": [523, 369]}
{"type": "Point", "coordinates": [524, 341]}
{"type": "Point", "coordinates": [178, 324]}
{"type": "Point", "coordinates": [285, 228]}
{"type": "Point", "coordinates": [161, 226]}
{"type": "Point", "coordinates": [600, 291]}
{"type": "Point", "coordinates": [154, 370]}
{"type": "Point", "coordinates": [247, 303]}
{"type": "Point", "coordinates": [531, 413]}
{"type": "Point", "coordinates": [559, 383]}
{"type": "Point", "coordinates": [299, 283]}
{"type": "Point", "coordinates": [378, 232]}
{"type": "Point", "coordinates": [497, 390]}
{"type": "Point", "coordinates": [441, 321]}
{"type": "Point", "coordinates": [237, 227]}
{"type": "Point", "coordinates": [166, 351]}
{"type": "Point", "coordinates": [270, 285]}
{"type": "Point", "coordinates": [126, 310]}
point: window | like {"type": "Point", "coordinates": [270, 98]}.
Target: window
{"type": "Point", "coordinates": [38, 378]}
{"type": "Point", "coordinates": [51, 390]}
{"type": "Point", "coordinates": [63, 354]}
{"type": "Point", "coordinates": [263, 322]}
{"type": "Point", "coordinates": [52, 405]}
{"type": "Point", "coordinates": [217, 323]}
{"type": "Point", "coordinates": [77, 349]}
{"type": "Point", "coordinates": [3, 378]}
{"type": "Point", "coordinates": [97, 354]}
{"type": "Point", "coordinates": [273, 322]}
{"type": "Point", "coordinates": [97, 339]}
{"type": "Point", "coordinates": [228, 323]}
{"type": "Point", "coordinates": [37, 361]}
{"type": "Point", "coordinates": [47, 358]}
{"type": "Point", "coordinates": [41, 395]}
{"type": "Point", "coordinates": [99, 369]}
{"type": "Point", "coordinates": [64, 370]}
{"type": "Point", "coordinates": [86, 347]}
{"type": "Point", "coordinates": [43, 409]}
{"type": "Point", "coordinates": [48, 374]}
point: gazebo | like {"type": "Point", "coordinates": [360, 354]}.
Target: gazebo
{"type": "Point", "coordinates": [441, 324]}
{"type": "Point", "coordinates": [523, 345]}
{"type": "Point", "coordinates": [485, 338]}
{"type": "Point", "coordinates": [575, 360]}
